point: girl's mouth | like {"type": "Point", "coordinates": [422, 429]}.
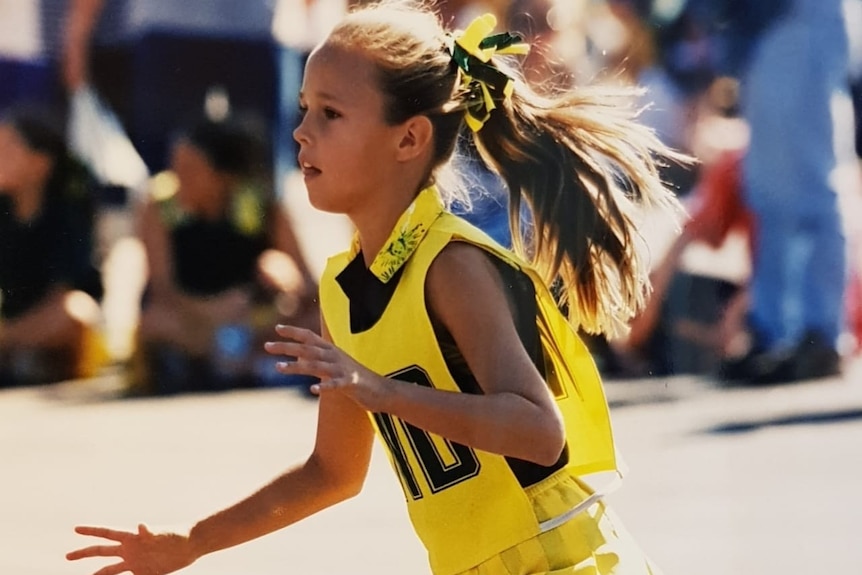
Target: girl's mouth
{"type": "Point", "coordinates": [308, 170]}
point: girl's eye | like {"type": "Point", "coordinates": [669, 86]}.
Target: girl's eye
{"type": "Point", "coordinates": [302, 109]}
{"type": "Point", "coordinates": [330, 114]}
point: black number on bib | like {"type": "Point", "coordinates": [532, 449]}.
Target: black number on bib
{"type": "Point", "coordinates": [443, 462]}
{"type": "Point", "coordinates": [387, 429]}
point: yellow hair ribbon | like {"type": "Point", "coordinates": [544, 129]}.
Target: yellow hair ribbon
{"type": "Point", "coordinates": [472, 50]}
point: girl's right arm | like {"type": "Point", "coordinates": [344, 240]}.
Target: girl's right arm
{"type": "Point", "coordinates": [335, 471]}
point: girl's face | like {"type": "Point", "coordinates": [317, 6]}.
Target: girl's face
{"type": "Point", "coordinates": [21, 168]}
{"type": "Point", "coordinates": [201, 185]}
{"type": "Point", "coordinates": [347, 150]}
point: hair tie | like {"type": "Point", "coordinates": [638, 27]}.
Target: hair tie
{"type": "Point", "coordinates": [483, 83]}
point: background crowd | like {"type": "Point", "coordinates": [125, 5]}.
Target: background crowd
{"type": "Point", "coordinates": [758, 283]}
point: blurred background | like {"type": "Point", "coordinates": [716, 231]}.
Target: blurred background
{"type": "Point", "coordinates": [154, 227]}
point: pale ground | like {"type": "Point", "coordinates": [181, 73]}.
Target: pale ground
{"type": "Point", "coordinates": [749, 482]}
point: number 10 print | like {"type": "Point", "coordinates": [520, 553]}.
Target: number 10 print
{"type": "Point", "coordinates": [443, 463]}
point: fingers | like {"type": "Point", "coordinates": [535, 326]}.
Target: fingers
{"type": "Point", "coordinates": [112, 534]}
{"type": "Point", "coordinates": [307, 353]}
{"type": "Point", "coordinates": [94, 551]}
{"type": "Point", "coordinates": [333, 383]}
{"type": "Point", "coordinates": [317, 353]}
{"type": "Point", "coordinates": [113, 569]}
{"type": "Point", "coordinates": [287, 348]}
{"type": "Point", "coordinates": [328, 367]}
{"type": "Point", "coordinates": [122, 537]}
{"type": "Point", "coordinates": [99, 550]}
{"type": "Point", "coordinates": [319, 369]}
{"type": "Point", "coordinates": [298, 334]}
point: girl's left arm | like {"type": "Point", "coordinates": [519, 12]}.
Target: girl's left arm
{"type": "Point", "coordinates": [335, 471]}
{"type": "Point", "coordinates": [515, 416]}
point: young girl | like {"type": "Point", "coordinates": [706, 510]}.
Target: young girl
{"type": "Point", "coordinates": [451, 348]}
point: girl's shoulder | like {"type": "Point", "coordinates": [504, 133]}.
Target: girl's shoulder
{"type": "Point", "coordinates": [455, 229]}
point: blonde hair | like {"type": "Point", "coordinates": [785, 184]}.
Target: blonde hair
{"type": "Point", "coordinates": [578, 159]}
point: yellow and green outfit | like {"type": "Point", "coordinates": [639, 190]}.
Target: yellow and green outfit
{"type": "Point", "coordinates": [478, 512]}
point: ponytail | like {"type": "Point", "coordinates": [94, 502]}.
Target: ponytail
{"type": "Point", "coordinates": [581, 162]}
{"type": "Point", "coordinates": [578, 160]}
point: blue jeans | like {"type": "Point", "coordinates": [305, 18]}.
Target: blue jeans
{"type": "Point", "coordinates": [799, 270]}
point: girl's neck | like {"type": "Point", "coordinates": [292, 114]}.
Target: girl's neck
{"type": "Point", "coordinates": [374, 226]}
{"type": "Point", "coordinates": [389, 198]}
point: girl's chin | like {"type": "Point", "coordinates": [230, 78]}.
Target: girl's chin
{"type": "Point", "coordinates": [323, 202]}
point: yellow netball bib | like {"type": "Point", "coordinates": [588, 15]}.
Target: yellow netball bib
{"type": "Point", "coordinates": [465, 504]}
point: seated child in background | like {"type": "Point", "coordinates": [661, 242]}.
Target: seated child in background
{"type": "Point", "coordinates": [50, 285]}
{"type": "Point", "coordinates": [224, 266]}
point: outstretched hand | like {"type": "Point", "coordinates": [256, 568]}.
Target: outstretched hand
{"type": "Point", "coordinates": [141, 553]}
{"type": "Point", "coordinates": [307, 353]}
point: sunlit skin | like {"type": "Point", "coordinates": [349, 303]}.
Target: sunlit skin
{"type": "Point", "coordinates": [356, 164]}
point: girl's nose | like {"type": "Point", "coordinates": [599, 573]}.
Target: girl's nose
{"type": "Point", "coordinates": [300, 133]}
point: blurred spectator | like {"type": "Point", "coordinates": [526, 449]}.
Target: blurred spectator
{"type": "Point", "coordinates": [224, 266]}
{"type": "Point", "coordinates": [795, 99]}
{"type": "Point", "coordinates": [158, 62]}
{"type": "Point", "coordinates": [791, 58]}
{"type": "Point", "coordinates": [737, 27]}
{"type": "Point", "coordinates": [689, 314]}
{"type": "Point", "coordinates": [50, 284]}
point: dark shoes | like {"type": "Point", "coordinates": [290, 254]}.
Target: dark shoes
{"type": "Point", "coordinates": [812, 358]}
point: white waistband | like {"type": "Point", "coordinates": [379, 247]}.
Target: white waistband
{"type": "Point", "coordinates": [555, 522]}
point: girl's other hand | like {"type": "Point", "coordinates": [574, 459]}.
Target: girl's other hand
{"type": "Point", "coordinates": [141, 553]}
{"type": "Point", "coordinates": [310, 354]}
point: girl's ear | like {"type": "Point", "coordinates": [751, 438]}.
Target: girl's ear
{"type": "Point", "coordinates": [416, 138]}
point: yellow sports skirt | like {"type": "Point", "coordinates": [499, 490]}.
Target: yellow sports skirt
{"type": "Point", "coordinates": [592, 542]}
